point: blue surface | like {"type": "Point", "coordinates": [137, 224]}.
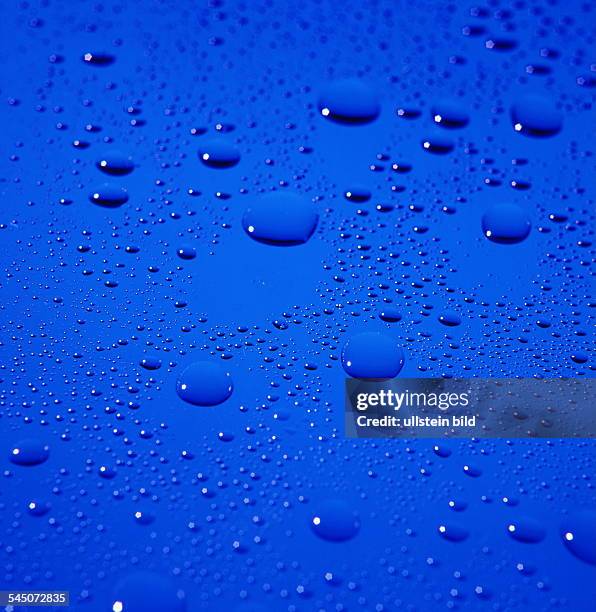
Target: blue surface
{"type": "Point", "coordinates": [259, 503]}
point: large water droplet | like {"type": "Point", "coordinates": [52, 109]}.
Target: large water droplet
{"type": "Point", "coordinates": [335, 521]}
{"type": "Point", "coordinates": [110, 196]}
{"type": "Point", "coordinates": [146, 592]}
{"type": "Point", "coordinates": [439, 145]}
{"type": "Point", "coordinates": [29, 452]}
{"type": "Point", "coordinates": [506, 224]}
{"type": "Point", "coordinates": [204, 383]}
{"type": "Point", "coordinates": [219, 153]}
{"type": "Point", "coordinates": [578, 531]}
{"type": "Point", "coordinates": [115, 163]}
{"type": "Point", "coordinates": [453, 533]}
{"type": "Point", "coordinates": [450, 319]}
{"type": "Point", "coordinates": [526, 530]}
{"type": "Point", "coordinates": [281, 219]}
{"type": "Point", "coordinates": [349, 101]}
{"type": "Point", "coordinates": [536, 116]}
{"type": "Point", "coordinates": [449, 114]}
{"type": "Point", "coordinates": [372, 355]}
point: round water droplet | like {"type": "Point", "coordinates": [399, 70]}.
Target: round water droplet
{"type": "Point", "coordinates": [536, 116]}
{"type": "Point", "coordinates": [29, 452]}
{"type": "Point", "coordinates": [335, 521]}
{"type": "Point", "coordinates": [449, 114]}
{"type": "Point", "coordinates": [219, 153]}
{"type": "Point", "coordinates": [349, 101]}
{"type": "Point", "coordinates": [281, 219]}
{"type": "Point", "coordinates": [372, 355]}
{"type": "Point", "coordinates": [578, 531]}
{"type": "Point", "coordinates": [506, 224]}
{"type": "Point", "coordinates": [110, 196]}
{"type": "Point", "coordinates": [526, 530]}
{"type": "Point", "coordinates": [204, 383]}
{"type": "Point", "coordinates": [115, 163]}
{"type": "Point", "coordinates": [146, 592]}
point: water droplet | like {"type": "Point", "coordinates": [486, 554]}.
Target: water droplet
{"type": "Point", "coordinates": [578, 531]}
{"type": "Point", "coordinates": [110, 196]}
{"type": "Point", "coordinates": [115, 163]}
{"type": "Point", "coordinates": [335, 521]}
{"type": "Point", "coordinates": [29, 452]}
{"type": "Point", "coordinates": [449, 114]}
{"type": "Point", "coordinates": [186, 252]}
{"type": "Point", "coordinates": [439, 145]}
{"type": "Point", "coordinates": [147, 592]}
{"type": "Point", "coordinates": [38, 508]}
{"type": "Point", "coordinates": [536, 116]}
{"type": "Point", "coordinates": [506, 224]}
{"type": "Point", "coordinates": [453, 533]}
{"type": "Point", "coordinates": [204, 383]}
{"type": "Point", "coordinates": [98, 58]}
{"type": "Point", "coordinates": [450, 319]}
{"type": "Point", "coordinates": [357, 193]}
{"type": "Point", "coordinates": [349, 101]}
{"type": "Point", "coordinates": [526, 530]}
{"type": "Point", "coordinates": [281, 219]}
{"type": "Point", "coordinates": [219, 153]}
{"type": "Point", "coordinates": [150, 363]}
{"type": "Point", "coordinates": [372, 355]}
{"type": "Point", "coordinates": [390, 315]}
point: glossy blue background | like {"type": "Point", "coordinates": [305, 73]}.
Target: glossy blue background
{"type": "Point", "coordinates": [239, 536]}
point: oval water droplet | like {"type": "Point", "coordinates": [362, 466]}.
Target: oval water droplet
{"type": "Point", "coordinates": [186, 252]}
{"type": "Point", "coordinates": [150, 363]}
{"type": "Point", "coordinates": [536, 116]}
{"type": "Point", "coordinates": [450, 319]}
{"type": "Point", "coordinates": [98, 58]}
{"type": "Point", "coordinates": [372, 355]}
{"type": "Point", "coordinates": [115, 163]}
{"type": "Point", "coordinates": [204, 383]}
{"type": "Point", "coordinates": [449, 114]}
{"type": "Point", "coordinates": [506, 224]}
{"type": "Point", "coordinates": [281, 219]}
{"type": "Point", "coordinates": [453, 533]}
{"type": "Point", "coordinates": [390, 314]}
{"type": "Point", "coordinates": [218, 153]}
{"type": "Point", "coordinates": [349, 101]}
{"type": "Point", "coordinates": [29, 452]}
{"type": "Point", "coordinates": [335, 521]}
{"type": "Point", "coordinates": [526, 530]}
{"type": "Point", "coordinates": [110, 196]}
{"type": "Point", "coordinates": [439, 145]}
{"type": "Point", "coordinates": [147, 592]}
{"type": "Point", "coordinates": [578, 531]}
{"type": "Point", "coordinates": [38, 508]}
{"type": "Point", "coordinates": [357, 193]}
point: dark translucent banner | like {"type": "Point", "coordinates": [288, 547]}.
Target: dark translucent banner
{"type": "Point", "coordinates": [471, 407]}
